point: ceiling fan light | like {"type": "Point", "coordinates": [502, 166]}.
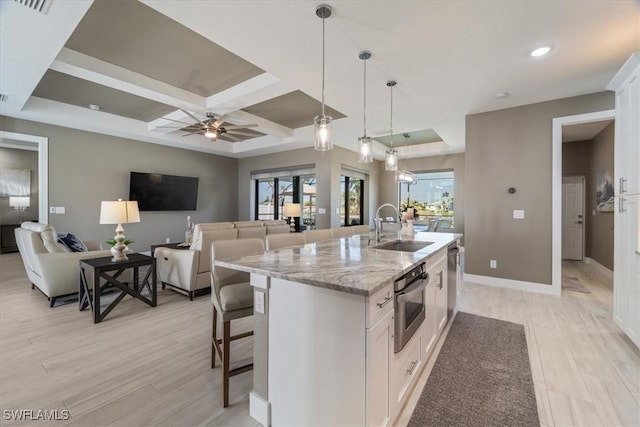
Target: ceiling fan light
{"type": "Point", "coordinates": [391, 160]}
{"type": "Point", "coordinates": [365, 149]}
{"type": "Point", "coordinates": [210, 133]}
{"type": "Point", "coordinates": [322, 131]}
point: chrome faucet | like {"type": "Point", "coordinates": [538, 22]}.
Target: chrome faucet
{"type": "Point", "coordinates": [378, 221]}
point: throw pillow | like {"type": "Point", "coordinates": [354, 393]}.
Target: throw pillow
{"type": "Point", "coordinates": [72, 242]}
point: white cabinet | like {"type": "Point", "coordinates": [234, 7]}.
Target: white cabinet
{"type": "Point", "coordinates": [440, 282]}
{"type": "Point", "coordinates": [405, 368]}
{"type": "Point", "coordinates": [430, 328]}
{"type": "Point", "coordinates": [626, 264]}
{"type": "Point", "coordinates": [379, 354]}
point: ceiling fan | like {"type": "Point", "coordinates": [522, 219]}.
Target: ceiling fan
{"type": "Point", "coordinates": [212, 127]}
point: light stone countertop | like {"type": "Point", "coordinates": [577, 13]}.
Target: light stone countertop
{"type": "Point", "coordinates": [347, 264]}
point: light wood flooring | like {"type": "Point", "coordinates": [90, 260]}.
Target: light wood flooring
{"type": "Point", "coordinates": [148, 366]}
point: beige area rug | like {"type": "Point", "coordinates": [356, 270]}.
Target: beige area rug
{"type": "Point", "coordinates": [571, 283]}
{"type": "Point", "coordinates": [482, 377]}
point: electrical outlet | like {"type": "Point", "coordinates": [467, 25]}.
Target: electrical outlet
{"type": "Point", "coordinates": [518, 214]}
{"type": "Point", "coordinates": [493, 263]}
{"type": "Point", "coordinates": [60, 210]}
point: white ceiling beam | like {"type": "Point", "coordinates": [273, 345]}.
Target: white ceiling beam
{"type": "Point", "coordinates": [92, 69]}
{"type": "Point", "coordinates": [257, 89]}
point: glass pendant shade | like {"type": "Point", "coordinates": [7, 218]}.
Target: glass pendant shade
{"type": "Point", "coordinates": [406, 177]}
{"type": "Point", "coordinates": [391, 160]}
{"type": "Point", "coordinates": [322, 131]}
{"type": "Point", "coordinates": [365, 149]}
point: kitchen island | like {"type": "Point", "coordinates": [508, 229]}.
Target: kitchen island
{"type": "Point", "coordinates": [324, 329]}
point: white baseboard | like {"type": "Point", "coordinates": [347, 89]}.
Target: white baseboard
{"type": "Point", "coordinates": [540, 288]}
{"type": "Point", "coordinates": [259, 409]}
{"type": "Point", "coordinates": [600, 267]}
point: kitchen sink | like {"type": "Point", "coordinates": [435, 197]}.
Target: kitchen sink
{"type": "Point", "coordinates": [404, 246]}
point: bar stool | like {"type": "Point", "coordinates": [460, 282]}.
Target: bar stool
{"type": "Point", "coordinates": [232, 298]}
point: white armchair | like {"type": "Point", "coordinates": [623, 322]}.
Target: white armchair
{"type": "Point", "coordinates": [189, 270]}
{"type": "Point", "coordinates": [49, 265]}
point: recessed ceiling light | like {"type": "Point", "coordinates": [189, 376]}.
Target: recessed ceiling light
{"type": "Point", "coordinates": [94, 107]}
{"type": "Point", "coordinates": [541, 51]}
{"type": "Point", "coordinates": [503, 95]}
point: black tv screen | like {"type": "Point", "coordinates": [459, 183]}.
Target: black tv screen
{"type": "Point", "coordinates": [155, 192]}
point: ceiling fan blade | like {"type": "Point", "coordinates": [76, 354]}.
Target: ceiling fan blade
{"type": "Point", "coordinates": [191, 115]}
{"type": "Point", "coordinates": [220, 121]}
{"type": "Point", "coordinates": [231, 137]}
{"type": "Point", "coordinates": [178, 121]}
{"type": "Point", "coordinates": [239, 133]}
{"type": "Point", "coordinates": [240, 127]}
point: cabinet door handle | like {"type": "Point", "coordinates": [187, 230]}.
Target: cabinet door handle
{"type": "Point", "coordinates": [441, 280]}
{"type": "Point", "coordinates": [621, 208]}
{"type": "Point", "coordinates": [386, 301]}
{"type": "Point", "coordinates": [412, 368]}
{"type": "Point", "coordinates": [621, 188]}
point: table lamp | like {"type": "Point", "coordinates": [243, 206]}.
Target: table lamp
{"type": "Point", "coordinates": [119, 212]}
{"type": "Point", "coordinates": [292, 210]}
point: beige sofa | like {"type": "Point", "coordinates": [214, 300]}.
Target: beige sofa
{"type": "Point", "coordinates": [49, 265]}
{"type": "Point", "coordinates": [189, 270]}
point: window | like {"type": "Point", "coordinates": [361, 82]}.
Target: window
{"type": "Point", "coordinates": [351, 201]}
{"type": "Point", "coordinates": [271, 194]}
{"type": "Point", "coordinates": [265, 196]}
{"type": "Point", "coordinates": [432, 197]}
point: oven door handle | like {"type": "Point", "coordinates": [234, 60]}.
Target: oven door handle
{"type": "Point", "coordinates": [418, 285]}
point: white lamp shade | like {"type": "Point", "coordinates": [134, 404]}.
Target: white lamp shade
{"type": "Point", "coordinates": [119, 212]}
{"type": "Point", "coordinates": [292, 209]}
{"type": "Point", "coordinates": [19, 202]}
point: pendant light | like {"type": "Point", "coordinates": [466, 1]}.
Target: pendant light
{"type": "Point", "coordinates": [391, 155]}
{"type": "Point", "coordinates": [404, 176]}
{"type": "Point", "coordinates": [365, 144]}
{"type": "Point", "coordinates": [322, 124]}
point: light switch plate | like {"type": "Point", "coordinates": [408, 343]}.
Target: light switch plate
{"type": "Point", "coordinates": [60, 210]}
{"type": "Point", "coordinates": [322, 211]}
{"type": "Point", "coordinates": [518, 214]}
{"type": "Point", "coordinates": [52, 209]}
{"type": "Point", "coordinates": [258, 302]}
{"type": "Point", "coordinates": [493, 263]}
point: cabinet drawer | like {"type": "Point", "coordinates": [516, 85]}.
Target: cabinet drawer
{"type": "Point", "coordinates": [405, 370]}
{"type": "Point", "coordinates": [379, 304]}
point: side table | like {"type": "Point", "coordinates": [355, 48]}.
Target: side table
{"type": "Point", "coordinates": [169, 245]}
{"type": "Point", "coordinates": [104, 268]}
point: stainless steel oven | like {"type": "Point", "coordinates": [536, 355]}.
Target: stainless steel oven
{"type": "Point", "coordinates": [409, 305]}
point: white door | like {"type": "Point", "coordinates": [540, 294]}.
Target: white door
{"type": "Point", "coordinates": [572, 217]}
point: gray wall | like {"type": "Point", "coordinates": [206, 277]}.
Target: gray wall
{"type": "Point", "coordinates": [455, 162]}
{"type": "Point", "coordinates": [11, 158]}
{"type": "Point", "coordinates": [328, 167]}
{"type": "Point", "coordinates": [512, 148]}
{"type": "Point", "coordinates": [601, 227]}
{"type": "Point", "coordinates": [86, 168]}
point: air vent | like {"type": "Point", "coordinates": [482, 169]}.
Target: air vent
{"type": "Point", "coordinates": [41, 6]}
{"type": "Point", "coordinates": [3, 97]}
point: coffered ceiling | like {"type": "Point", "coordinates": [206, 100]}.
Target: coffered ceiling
{"type": "Point", "coordinates": [145, 63]}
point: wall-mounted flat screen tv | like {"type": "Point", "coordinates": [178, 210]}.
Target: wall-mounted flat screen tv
{"type": "Point", "coordinates": [155, 192]}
